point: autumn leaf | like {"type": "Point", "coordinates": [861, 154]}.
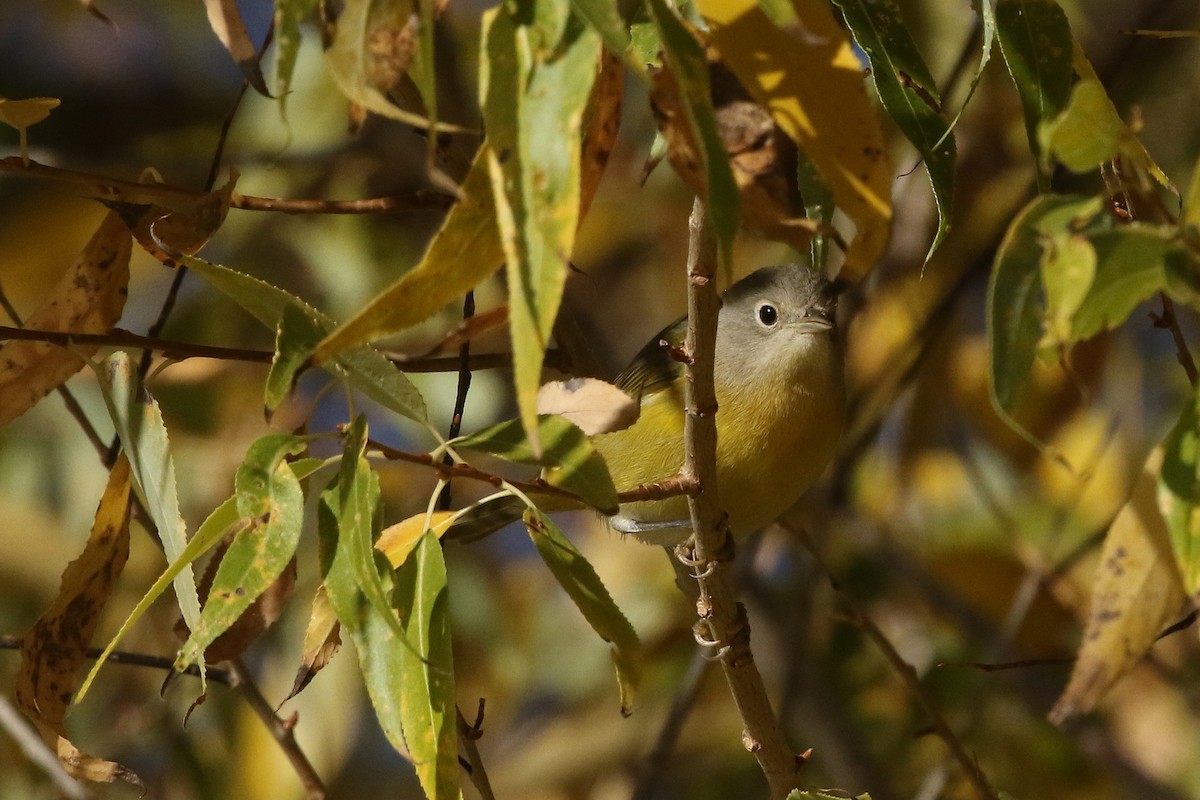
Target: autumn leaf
{"type": "Point", "coordinates": [89, 298]}
{"type": "Point", "coordinates": [54, 650]}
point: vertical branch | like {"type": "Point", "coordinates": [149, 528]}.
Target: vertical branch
{"type": "Point", "coordinates": [723, 624]}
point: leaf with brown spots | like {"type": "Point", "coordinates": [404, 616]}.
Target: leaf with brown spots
{"type": "Point", "coordinates": [1138, 591]}
{"type": "Point", "coordinates": [54, 650]}
{"type": "Point", "coordinates": [88, 299]}
{"type": "Point", "coordinates": [601, 121]}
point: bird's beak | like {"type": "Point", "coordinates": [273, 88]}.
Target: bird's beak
{"type": "Point", "coordinates": [813, 322]}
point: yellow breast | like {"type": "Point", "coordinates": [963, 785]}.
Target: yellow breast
{"type": "Point", "coordinates": [775, 434]}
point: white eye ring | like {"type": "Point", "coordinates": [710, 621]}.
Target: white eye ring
{"type": "Point", "coordinates": [767, 315]}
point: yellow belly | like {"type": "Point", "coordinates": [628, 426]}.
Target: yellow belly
{"type": "Point", "coordinates": [771, 446]}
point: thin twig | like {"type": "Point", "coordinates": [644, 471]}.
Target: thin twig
{"type": "Point", "coordinates": [468, 734]}
{"type": "Point", "coordinates": [73, 407]}
{"type": "Point", "coordinates": [280, 729]}
{"type": "Point", "coordinates": [178, 351]}
{"type": "Point", "coordinates": [9, 642]}
{"type": "Point", "coordinates": [115, 189]}
{"type": "Point", "coordinates": [1170, 322]}
{"type": "Point", "coordinates": [460, 396]}
{"type": "Point", "coordinates": [910, 677]}
{"type": "Point", "coordinates": [723, 625]}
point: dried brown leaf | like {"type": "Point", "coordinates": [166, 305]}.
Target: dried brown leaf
{"type": "Point", "coordinates": [54, 650]}
{"type": "Point", "coordinates": [322, 640]}
{"type": "Point", "coordinates": [227, 24]}
{"type": "Point", "coordinates": [601, 120]}
{"type": "Point", "coordinates": [88, 299]}
{"type": "Point", "coordinates": [166, 232]}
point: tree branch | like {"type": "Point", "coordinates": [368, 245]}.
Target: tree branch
{"type": "Point", "coordinates": [132, 191]}
{"type": "Point", "coordinates": [177, 350]}
{"type": "Point", "coordinates": [1169, 321]}
{"type": "Point", "coordinates": [723, 624]}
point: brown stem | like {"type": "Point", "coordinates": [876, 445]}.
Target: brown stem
{"type": "Point", "coordinates": [9, 642]}
{"type": "Point", "coordinates": [281, 730]}
{"type": "Point", "coordinates": [723, 623]}
{"type": "Point", "coordinates": [177, 350]}
{"type": "Point", "coordinates": [1170, 322]}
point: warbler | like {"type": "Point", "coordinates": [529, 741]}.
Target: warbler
{"type": "Point", "coordinates": [781, 399]}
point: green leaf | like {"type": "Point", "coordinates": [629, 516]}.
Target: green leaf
{"type": "Point", "coordinates": [605, 19]}
{"type": "Point", "coordinates": [583, 585]}
{"type": "Point", "coordinates": [367, 369]}
{"type": "Point", "coordinates": [1133, 263]}
{"type": "Point", "coordinates": [685, 58]}
{"type": "Point", "coordinates": [1087, 133]}
{"type": "Point", "coordinates": [139, 424]}
{"type": "Point", "coordinates": [355, 497]}
{"type": "Point", "coordinates": [818, 205]}
{"type": "Point", "coordinates": [427, 702]}
{"type": "Point", "coordinates": [909, 94]}
{"type": "Point", "coordinates": [269, 498]}
{"type": "Point", "coordinates": [1179, 492]}
{"type": "Point", "coordinates": [222, 520]}
{"type": "Point", "coordinates": [1014, 308]}
{"type": "Point", "coordinates": [1068, 269]}
{"type": "Point", "coordinates": [288, 16]}
{"type": "Point", "coordinates": [464, 252]}
{"type": "Point", "coordinates": [298, 333]}
{"type": "Point", "coordinates": [535, 80]}
{"type": "Point", "coordinates": [570, 460]}
{"type": "Point", "coordinates": [1036, 41]}
{"type": "Point", "coordinates": [363, 591]}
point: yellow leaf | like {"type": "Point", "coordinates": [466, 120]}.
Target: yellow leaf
{"type": "Point", "coordinates": [1138, 591]}
{"type": "Point", "coordinates": [465, 251]}
{"type": "Point", "coordinates": [814, 86]}
{"type": "Point", "coordinates": [397, 541]}
{"type": "Point", "coordinates": [89, 299]}
{"type": "Point", "coordinates": [21, 114]}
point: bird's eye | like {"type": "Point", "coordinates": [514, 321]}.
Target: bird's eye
{"type": "Point", "coordinates": [768, 315]}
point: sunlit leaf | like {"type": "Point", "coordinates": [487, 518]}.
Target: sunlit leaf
{"type": "Point", "coordinates": [269, 498]}
{"type": "Point", "coordinates": [1068, 269]}
{"type": "Point", "coordinates": [1036, 41]}
{"type": "Point", "coordinates": [464, 251]}
{"type": "Point", "coordinates": [1179, 492]}
{"type": "Point", "coordinates": [139, 424]}
{"type": "Point", "coordinates": [814, 87]}
{"type": "Point", "coordinates": [568, 456]}
{"type": "Point", "coordinates": [89, 298]}
{"type": "Point", "coordinates": [535, 84]}
{"type": "Point", "coordinates": [909, 94]}
{"type": "Point", "coordinates": [227, 24]}
{"type": "Point", "coordinates": [583, 585]}
{"type": "Point", "coordinates": [592, 405]}
{"type": "Point", "coordinates": [427, 703]}
{"type": "Point", "coordinates": [1138, 591]}
{"type": "Point", "coordinates": [222, 520]}
{"type": "Point", "coordinates": [605, 18]}
{"type": "Point", "coordinates": [366, 368]}
{"type": "Point", "coordinates": [54, 650]}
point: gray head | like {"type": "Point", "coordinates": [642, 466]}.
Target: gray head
{"type": "Point", "coordinates": [772, 317]}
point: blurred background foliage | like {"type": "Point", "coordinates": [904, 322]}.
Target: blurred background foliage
{"type": "Point", "coordinates": [957, 538]}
